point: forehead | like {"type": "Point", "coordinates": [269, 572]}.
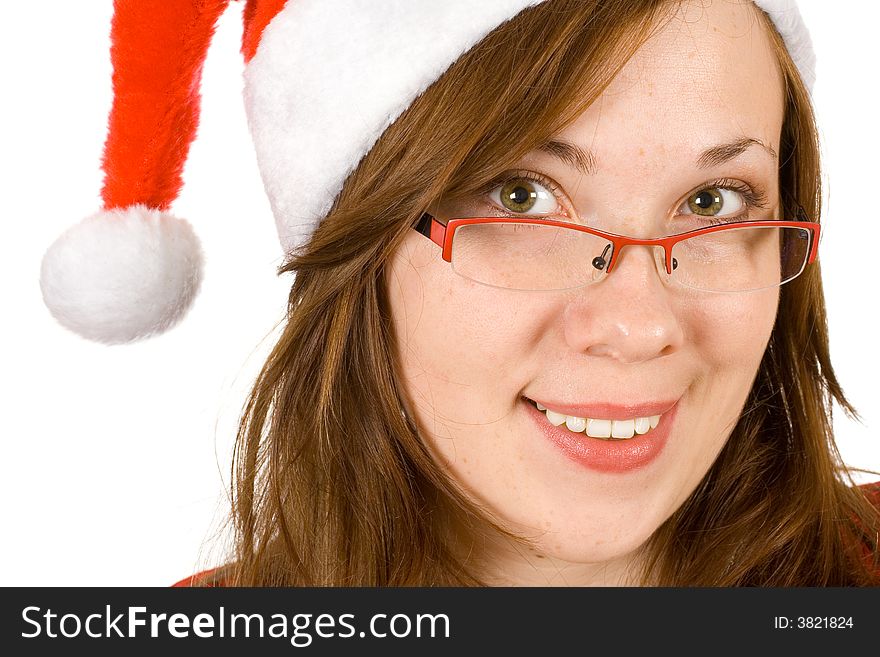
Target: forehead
{"type": "Point", "coordinates": [707, 74]}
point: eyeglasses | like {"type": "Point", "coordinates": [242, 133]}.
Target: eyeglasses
{"type": "Point", "coordinates": [544, 254]}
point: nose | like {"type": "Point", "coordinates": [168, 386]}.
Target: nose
{"type": "Point", "coordinates": [628, 315]}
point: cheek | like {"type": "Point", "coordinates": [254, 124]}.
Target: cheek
{"type": "Point", "coordinates": [462, 347]}
{"type": "Point", "coordinates": [731, 331]}
{"type": "Point", "coordinates": [729, 337]}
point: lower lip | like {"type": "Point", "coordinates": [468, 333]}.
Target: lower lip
{"type": "Point", "coordinates": [610, 455]}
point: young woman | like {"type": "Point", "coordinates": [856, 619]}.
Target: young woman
{"type": "Point", "coordinates": [524, 344]}
{"type": "Point", "coordinates": [398, 434]}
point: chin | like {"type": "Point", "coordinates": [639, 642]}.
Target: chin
{"type": "Point", "coordinates": [599, 541]}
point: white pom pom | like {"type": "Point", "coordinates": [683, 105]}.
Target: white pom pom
{"type": "Point", "coordinates": [122, 275]}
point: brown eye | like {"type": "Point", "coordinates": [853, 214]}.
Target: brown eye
{"type": "Point", "coordinates": [524, 195]}
{"type": "Point", "coordinates": [706, 202]}
{"type": "Point", "coordinates": [518, 195]}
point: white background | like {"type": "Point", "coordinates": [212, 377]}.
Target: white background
{"type": "Point", "coordinates": [115, 460]}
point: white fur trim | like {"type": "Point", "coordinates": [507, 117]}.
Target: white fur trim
{"type": "Point", "coordinates": [329, 77]}
{"type": "Point", "coordinates": [787, 18]}
{"type": "Point", "coordinates": [121, 275]}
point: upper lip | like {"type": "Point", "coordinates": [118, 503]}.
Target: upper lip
{"type": "Point", "coordinates": [608, 410]}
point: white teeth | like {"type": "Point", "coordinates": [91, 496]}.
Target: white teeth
{"type": "Point", "coordinates": [623, 428]}
{"type": "Point", "coordinates": [599, 428]}
{"type": "Point", "coordinates": [617, 429]}
{"type": "Point", "coordinates": [555, 418]}
{"type": "Point", "coordinates": [576, 424]}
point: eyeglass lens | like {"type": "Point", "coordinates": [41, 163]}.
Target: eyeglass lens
{"type": "Point", "coordinates": [524, 256]}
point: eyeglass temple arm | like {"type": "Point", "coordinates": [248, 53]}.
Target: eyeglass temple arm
{"type": "Point", "coordinates": [428, 226]}
{"type": "Point", "coordinates": [801, 215]}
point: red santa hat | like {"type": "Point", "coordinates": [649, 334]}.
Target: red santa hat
{"type": "Point", "coordinates": [133, 269]}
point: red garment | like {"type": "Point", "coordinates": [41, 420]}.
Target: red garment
{"type": "Point", "coordinates": [872, 491]}
{"type": "Point", "coordinates": [193, 580]}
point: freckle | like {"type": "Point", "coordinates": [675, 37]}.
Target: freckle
{"type": "Point", "coordinates": [641, 151]}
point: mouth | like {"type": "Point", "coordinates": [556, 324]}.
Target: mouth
{"type": "Point", "coordinates": [609, 438]}
{"type": "Point", "coordinates": [626, 425]}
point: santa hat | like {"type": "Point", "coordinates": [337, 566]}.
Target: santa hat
{"type": "Point", "coordinates": [132, 270]}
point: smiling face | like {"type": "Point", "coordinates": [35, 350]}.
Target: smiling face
{"type": "Point", "coordinates": [688, 130]}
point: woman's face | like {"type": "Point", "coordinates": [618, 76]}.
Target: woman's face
{"type": "Point", "coordinates": [630, 346]}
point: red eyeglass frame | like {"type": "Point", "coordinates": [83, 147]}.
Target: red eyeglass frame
{"type": "Point", "coordinates": [442, 235]}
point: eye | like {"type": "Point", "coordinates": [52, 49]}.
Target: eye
{"type": "Point", "coordinates": [714, 202]}
{"type": "Point", "coordinates": [521, 195]}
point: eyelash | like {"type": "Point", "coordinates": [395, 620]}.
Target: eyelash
{"type": "Point", "coordinates": [753, 196]}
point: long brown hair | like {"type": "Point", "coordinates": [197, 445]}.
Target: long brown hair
{"type": "Point", "coordinates": [332, 484]}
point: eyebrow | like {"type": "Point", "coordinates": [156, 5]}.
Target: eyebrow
{"type": "Point", "coordinates": [722, 153]}
{"type": "Point", "coordinates": [581, 159]}
{"type": "Point", "coordinates": [584, 161]}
